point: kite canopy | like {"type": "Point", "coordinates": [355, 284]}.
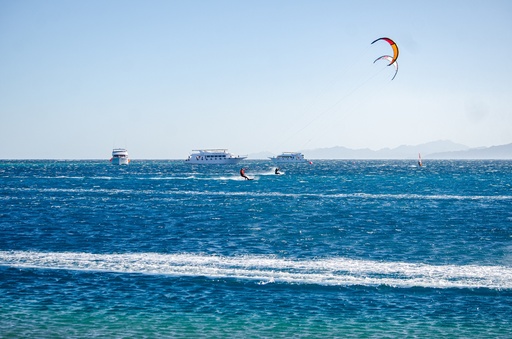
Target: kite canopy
{"type": "Point", "coordinates": [390, 59]}
{"type": "Point", "coordinates": [393, 46]}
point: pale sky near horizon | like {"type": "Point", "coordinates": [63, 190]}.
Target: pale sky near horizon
{"type": "Point", "coordinates": [162, 78]}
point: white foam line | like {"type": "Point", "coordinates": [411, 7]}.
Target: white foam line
{"type": "Point", "coordinates": [274, 194]}
{"type": "Point", "coordinates": [335, 271]}
{"type": "Point", "coordinates": [168, 178]}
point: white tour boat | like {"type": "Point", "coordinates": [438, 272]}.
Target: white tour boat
{"type": "Point", "coordinates": [288, 158]}
{"type": "Point", "coordinates": [214, 156]}
{"type": "Point", "coordinates": [119, 157]}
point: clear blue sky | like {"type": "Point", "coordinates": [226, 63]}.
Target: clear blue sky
{"type": "Point", "coordinates": [165, 77]}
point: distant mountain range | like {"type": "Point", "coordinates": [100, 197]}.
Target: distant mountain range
{"type": "Point", "coordinates": [433, 150]}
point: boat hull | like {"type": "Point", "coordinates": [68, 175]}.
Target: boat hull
{"type": "Point", "coordinates": [120, 161]}
{"type": "Point", "coordinates": [214, 161]}
{"type": "Point", "coordinates": [214, 157]}
{"type": "Point", "coordinates": [120, 157]}
{"type": "Point", "coordinates": [289, 158]}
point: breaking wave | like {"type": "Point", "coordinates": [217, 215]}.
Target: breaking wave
{"type": "Point", "coordinates": [269, 269]}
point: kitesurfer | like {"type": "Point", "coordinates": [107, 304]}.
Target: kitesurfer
{"type": "Point", "coordinates": [277, 171]}
{"type": "Point", "coordinates": [242, 173]}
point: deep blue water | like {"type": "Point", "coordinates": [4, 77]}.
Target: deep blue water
{"type": "Point", "coordinates": [333, 249]}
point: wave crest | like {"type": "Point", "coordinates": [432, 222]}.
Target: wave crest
{"type": "Point", "coordinates": [328, 272]}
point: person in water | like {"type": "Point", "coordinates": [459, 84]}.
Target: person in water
{"type": "Point", "coordinates": [242, 173]}
{"type": "Point", "coordinates": [277, 171]}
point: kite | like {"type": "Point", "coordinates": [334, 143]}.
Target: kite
{"type": "Point", "coordinates": [393, 45]}
{"type": "Point", "coordinates": [390, 59]}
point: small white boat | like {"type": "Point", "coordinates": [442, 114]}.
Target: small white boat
{"type": "Point", "coordinates": [214, 156]}
{"type": "Point", "coordinates": [288, 158]}
{"type": "Point", "coordinates": [119, 157]}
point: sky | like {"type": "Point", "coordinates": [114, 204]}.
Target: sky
{"type": "Point", "coordinates": [163, 78]}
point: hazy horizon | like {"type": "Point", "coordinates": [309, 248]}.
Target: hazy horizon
{"type": "Point", "coordinates": [440, 146]}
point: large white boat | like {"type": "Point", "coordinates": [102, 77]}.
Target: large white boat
{"type": "Point", "coordinates": [119, 157]}
{"type": "Point", "coordinates": [214, 156]}
{"type": "Point", "coordinates": [288, 158]}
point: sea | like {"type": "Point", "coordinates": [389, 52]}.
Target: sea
{"type": "Point", "coordinates": [331, 249]}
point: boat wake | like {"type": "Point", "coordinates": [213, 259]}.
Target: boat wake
{"type": "Point", "coordinates": [269, 269]}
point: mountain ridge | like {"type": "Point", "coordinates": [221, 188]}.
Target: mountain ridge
{"type": "Point", "coordinates": [441, 149]}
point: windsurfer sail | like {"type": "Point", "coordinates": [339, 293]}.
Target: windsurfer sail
{"type": "Point", "coordinates": [419, 160]}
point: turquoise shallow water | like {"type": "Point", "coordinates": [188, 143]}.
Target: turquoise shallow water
{"type": "Point", "coordinates": [336, 249]}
